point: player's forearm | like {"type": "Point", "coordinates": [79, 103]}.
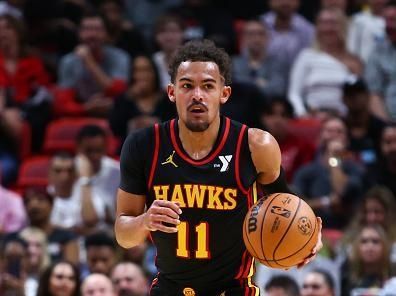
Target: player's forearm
{"type": "Point", "coordinates": [130, 231]}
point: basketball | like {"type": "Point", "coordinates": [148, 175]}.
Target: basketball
{"type": "Point", "coordinates": [280, 231]}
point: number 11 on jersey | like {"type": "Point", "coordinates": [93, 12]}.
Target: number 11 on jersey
{"type": "Point", "coordinates": [202, 248]}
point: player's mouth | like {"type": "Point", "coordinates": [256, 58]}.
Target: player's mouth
{"type": "Point", "coordinates": [198, 108]}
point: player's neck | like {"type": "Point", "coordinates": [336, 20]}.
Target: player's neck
{"type": "Point", "coordinates": [199, 144]}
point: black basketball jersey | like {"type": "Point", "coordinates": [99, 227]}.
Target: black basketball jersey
{"type": "Point", "coordinates": [214, 194]}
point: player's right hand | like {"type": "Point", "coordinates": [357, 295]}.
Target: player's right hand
{"type": "Point", "coordinates": [163, 215]}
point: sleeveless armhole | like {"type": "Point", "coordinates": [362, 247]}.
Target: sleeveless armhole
{"type": "Point", "coordinates": [155, 155]}
{"type": "Point", "coordinates": [238, 160]}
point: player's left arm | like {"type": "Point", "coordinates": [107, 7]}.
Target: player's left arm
{"type": "Point", "coordinates": [266, 158]}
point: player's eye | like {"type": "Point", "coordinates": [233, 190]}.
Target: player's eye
{"type": "Point", "coordinates": [208, 86]}
{"type": "Point", "coordinates": [186, 85]}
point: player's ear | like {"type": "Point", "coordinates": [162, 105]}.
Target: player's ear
{"type": "Point", "coordinates": [225, 94]}
{"type": "Point", "coordinates": [171, 92]}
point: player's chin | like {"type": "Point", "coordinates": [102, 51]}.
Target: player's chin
{"type": "Point", "coordinates": [197, 125]}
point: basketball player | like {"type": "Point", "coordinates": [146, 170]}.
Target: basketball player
{"type": "Point", "coordinates": [197, 175]}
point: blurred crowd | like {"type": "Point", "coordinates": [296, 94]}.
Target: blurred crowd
{"type": "Point", "coordinates": [78, 76]}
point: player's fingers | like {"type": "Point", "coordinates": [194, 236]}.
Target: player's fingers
{"type": "Point", "coordinates": [168, 204]}
{"type": "Point", "coordinates": [164, 211]}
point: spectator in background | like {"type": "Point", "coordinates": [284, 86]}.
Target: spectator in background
{"type": "Point", "coordinates": [101, 253]}
{"type": "Point", "coordinates": [129, 280]}
{"type": "Point", "coordinates": [366, 29]}
{"type": "Point", "coordinates": [143, 13]}
{"type": "Point", "coordinates": [97, 284]}
{"type": "Point", "coordinates": [384, 172]}
{"type": "Point", "coordinates": [296, 151]}
{"type": "Point", "coordinates": [60, 279]}
{"type": "Point", "coordinates": [364, 128]}
{"type": "Point", "coordinates": [282, 285]}
{"type": "Point", "coordinates": [13, 255]}
{"type": "Point", "coordinates": [62, 244]}
{"type": "Point", "coordinates": [121, 32]}
{"type": "Point", "coordinates": [318, 73]}
{"type": "Point", "coordinates": [332, 184]}
{"type": "Point", "coordinates": [98, 173]}
{"type": "Point", "coordinates": [168, 33]}
{"type": "Point", "coordinates": [10, 137]}
{"type": "Point", "coordinates": [207, 19]}
{"type": "Point", "coordinates": [377, 207]}
{"type": "Point", "coordinates": [368, 265]}
{"type": "Point", "coordinates": [12, 212]}
{"type": "Point", "coordinates": [144, 103]}
{"type": "Point", "coordinates": [38, 257]}
{"type": "Point", "coordinates": [318, 283]}
{"type": "Point", "coordinates": [73, 195]}
{"type": "Point", "coordinates": [92, 74]}
{"type": "Point", "coordinates": [289, 32]}
{"type": "Point", "coordinates": [254, 65]}
{"type": "Point", "coordinates": [24, 82]}
{"type": "Point", "coordinates": [380, 69]}
{"type": "Point", "coordinates": [334, 4]}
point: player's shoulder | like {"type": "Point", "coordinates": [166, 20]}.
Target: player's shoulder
{"type": "Point", "coordinates": [143, 137]}
{"type": "Point", "coordinates": [259, 139]}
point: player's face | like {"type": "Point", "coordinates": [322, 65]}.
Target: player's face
{"type": "Point", "coordinates": [198, 92]}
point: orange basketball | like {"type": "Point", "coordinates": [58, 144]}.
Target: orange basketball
{"type": "Point", "coordinates": [280, 231]}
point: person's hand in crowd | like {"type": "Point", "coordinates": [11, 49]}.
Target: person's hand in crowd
{"type": "Point", "coordinates": [11, 285]}
{"type": "Point", "coordinates": [84, 166]}
{"type": "Point", "coordinates": [98, 105]}
{"type": "Point", "coordinates": [83, 52]}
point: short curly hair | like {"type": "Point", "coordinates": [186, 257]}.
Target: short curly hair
{"type": "Point", "coordinates": [202, 51]}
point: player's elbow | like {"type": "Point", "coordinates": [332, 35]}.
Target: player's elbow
{"type": "Point", "coordinates": [124, 235]}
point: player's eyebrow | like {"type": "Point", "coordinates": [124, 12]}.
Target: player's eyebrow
{"type": "Point", "coordinates": [190, 80]}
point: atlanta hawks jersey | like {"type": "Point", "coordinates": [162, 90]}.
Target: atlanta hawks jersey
{"type": "Point", "coordinates": [214, 194]}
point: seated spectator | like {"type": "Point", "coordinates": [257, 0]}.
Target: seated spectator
{"type": "Point", "coordinates": [38, 258]}
{"type": "Point", "coordinates": [318, 73]}
{"type": "Point", "coordinates": [10, 137]}
{"type": "Point", "coordinates": [12, 212]}
{"type": "Point", "coordinates": [368, 264]}
{"type": "Point", "coordinates": [13, 256]}
{"type": "Point", "coordinates": [318, 283]}
{"type": "Point", "coordinates": [295, 151]}
{"type": "Point", "coordinates": [334, 4]}
{"type": "Point", "coordinates": [24, 81]}
{"type": "Point", "coordinates": [379, 71]}
{"type": "Point", "coordinates": [60, 279]}
{"type": "Point", "coordinates": [377, 207]}
{"type": "Point", "coordinates": [97, 284]}
{"type": "Point", "coordinates": [101, 253]}
{"type": "Point", "coordinates": [98, 172]}
{"type": "Point", "coordinates": [92, 74]}
{"type": "Point", "coordinates": [289, 32]}
{"type": "Point", "coordinates": [82, 213]}
{"type": "Point", "coordinates": [366, 29]}
{"type": "Point", "coordinates": [364, 128]}
{"type": "Point", "coordinates": [168, 33]}
{"type": "Point", "coordinates": [129, 279]}
{"type": "Point", "coordinates": [281, 285]}
{"type": "Point", "coordinates": [62, 244]}
{"type": "Point", "coordinates": [143, 104]}
{"type": "Point", "coordinates": [121, 32]}
{"type": "Point", "coordinates": [254, 65]}
{"type": "Point", "coordinates": [332, 184]}
{"type": "Point", "coordinates": [209, 20]}
{"type": "Point", "coordinates": [384, 172]}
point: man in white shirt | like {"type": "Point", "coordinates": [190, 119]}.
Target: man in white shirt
{"type": "Point", "coordinates": [100, 172]}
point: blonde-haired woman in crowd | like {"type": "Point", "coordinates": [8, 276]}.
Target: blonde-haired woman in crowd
{"type": "Point", "coordinates": [368, 266]}
{"type": "Point", "coordinates": [319, 72]}
{"type": "Point", "coordinates": [38, 257]}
